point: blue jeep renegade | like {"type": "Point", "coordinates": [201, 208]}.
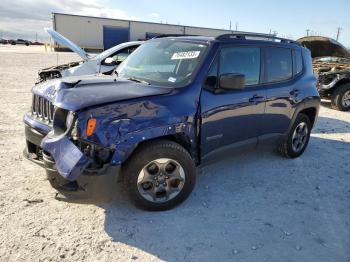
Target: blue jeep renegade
{"type": "Point", "coordinates": [172, 104]}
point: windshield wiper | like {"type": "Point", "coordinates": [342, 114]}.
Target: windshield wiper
{"type": "Point", "coordinates": [138, 80]}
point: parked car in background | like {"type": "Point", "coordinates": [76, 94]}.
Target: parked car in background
{"type": "Point", "coordinates": [331, 63]}
{"type": "Point", "coordinates": [4, 41]}
{"type": "Point", "coordinates": [19, 42]}
{"type": "Point", "coordinates": [171, 105]}
{"type": "Point", "coordinates": [104, 62]}
{"type": "Point", "coordinates": [37, 43]}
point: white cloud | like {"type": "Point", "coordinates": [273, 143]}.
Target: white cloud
{"type": "Point", "coordinates": [23, 18]}
{"type": "Point", "coordinates": [154, 15]}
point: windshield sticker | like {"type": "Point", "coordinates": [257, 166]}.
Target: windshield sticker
{"type": "Point", "coordinates": [172, 79]}
{"type": "Point", "coordinates": [185, 55]}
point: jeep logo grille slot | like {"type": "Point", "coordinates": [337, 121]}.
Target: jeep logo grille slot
{"type": "Point", "coordinates": [42, 109]}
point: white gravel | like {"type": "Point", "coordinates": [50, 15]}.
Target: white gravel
{"type": "Point", "coordinates": [251, 206]}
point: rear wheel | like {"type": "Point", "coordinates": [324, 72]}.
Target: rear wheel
{"type": "Point", "coordinates": [297, 139]}
{"type": "Point", "coordinates": [341, 98]}
{"type": "Point", "coordinates": [159, 175]}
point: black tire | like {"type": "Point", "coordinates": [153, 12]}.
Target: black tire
{"type": "Point", "coordinates": [285, 148]}
{"type": "Point", "coordinates": [143, 157]}
{"type": "Point", "coordinates": [337, 97]}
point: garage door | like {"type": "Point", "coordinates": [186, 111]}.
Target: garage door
{"type": "Point", "coordinates": [114, 35]}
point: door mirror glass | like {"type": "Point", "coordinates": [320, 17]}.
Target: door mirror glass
{"type": "Point", "coordinates": [232, 81]}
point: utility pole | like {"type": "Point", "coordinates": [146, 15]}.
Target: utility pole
{"type": "Point", "coordinates": [338, 32]}
{"type": "Point", "coordinates": [236, 26]}
{"type": "Point", "coordinates": [230, 25]}
{"type": "Point", "coordinates": [307, 32]}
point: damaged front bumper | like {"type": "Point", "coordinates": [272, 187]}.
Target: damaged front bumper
{"type": "Point", "coordinates": [70, 161]}
{"type": "Point", "coordinates": [61, 154]}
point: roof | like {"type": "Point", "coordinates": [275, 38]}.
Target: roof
{"type": "Point", "coordinates": [239, 36]}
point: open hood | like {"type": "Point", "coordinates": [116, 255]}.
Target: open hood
{"type": "Point", "coordinates": [66, 42]}
{"type": "Point", "coordinates": [323, 46]}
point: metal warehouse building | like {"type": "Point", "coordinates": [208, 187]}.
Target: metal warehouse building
{"type": "Point", "coordinates": [97, 33]}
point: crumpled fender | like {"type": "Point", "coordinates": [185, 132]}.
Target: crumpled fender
{"type": "Point", "coordinates": [70, 161]}
{"type": "Point", "coordinates": [130, 141]}
{"type": "Point", "coordinates": [121, 127]}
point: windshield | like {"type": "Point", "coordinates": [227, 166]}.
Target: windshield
{"type": "Point", "coordinates": [163, 62]}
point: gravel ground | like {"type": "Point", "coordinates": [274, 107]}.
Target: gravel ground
{"type": "Point", "coordinates": [250, 206]}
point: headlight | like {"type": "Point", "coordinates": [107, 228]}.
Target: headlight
{"type": "Point", "coordinates": [62, 121]}
{"type": "Point", "coordinates": [69, 119]}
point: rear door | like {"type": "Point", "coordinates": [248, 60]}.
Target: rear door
{"type": "Point", "coordinates": [282, 90]}
{"type": "Point", "coordinates": [233, 116]}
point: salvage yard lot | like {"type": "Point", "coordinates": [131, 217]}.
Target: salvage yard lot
{"type": "Point", "coordinates": [250, 206]}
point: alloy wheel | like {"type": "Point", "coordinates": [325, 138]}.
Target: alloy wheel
{"type": "Point", "coordinates": [299, 137]}
{"type": "Point", "coordinates": [346, 99]}
{"type": "Point", "coordinates": [161, 180]}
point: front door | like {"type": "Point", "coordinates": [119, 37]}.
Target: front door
{"type": "Point", "coordinates": [232, 116]}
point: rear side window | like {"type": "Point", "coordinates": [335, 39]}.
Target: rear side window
{"type": "Point", "coordinates": [279, 65]}
{"type": "Point", "coordinates": [241, 60]}
{"type": "Point", "coordinates": [298, 62]}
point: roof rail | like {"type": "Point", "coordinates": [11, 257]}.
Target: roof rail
{"type": "Point", "coordinates": [170, 35]}
{"type": "Point", "coordinates": [244, 35]}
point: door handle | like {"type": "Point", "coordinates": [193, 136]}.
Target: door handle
{"type": "Point", "coordinates": [256, 98]}
{"type": "Point", "coordinates": [294, 92]}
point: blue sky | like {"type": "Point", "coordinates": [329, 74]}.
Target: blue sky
{"type": "Point", "coordinates": [288, 18]}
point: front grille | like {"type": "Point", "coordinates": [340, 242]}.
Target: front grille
{"type": "Point", "coordinates": [42, 108]}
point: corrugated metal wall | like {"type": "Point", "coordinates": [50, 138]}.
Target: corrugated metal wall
{"type": "Point", "coordinates": [87, 32]}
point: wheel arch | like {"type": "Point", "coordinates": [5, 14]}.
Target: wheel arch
{"type": "Point", "coordinates": [311, 113]}
{"type": "Point", "coordinates": [310, 108]}
{"type": "Point", "coordinates": [182, 138]}
{"type": "Point", "coordinates": [343, 81]}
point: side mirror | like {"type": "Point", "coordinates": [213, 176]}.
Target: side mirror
{"type": "Point", "coordinates": [109, 61]}
{"type": "Point", "coordinates": [232, 81]}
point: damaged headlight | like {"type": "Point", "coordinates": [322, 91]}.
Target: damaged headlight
{"type": "Point", "coordinates": [62, 121]}
{"type": "Point", "coordinates": [69, 119]}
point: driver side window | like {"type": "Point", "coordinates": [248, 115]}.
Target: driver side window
{"type": "Point", "coordinates": [236, 60]}
{"type": "Point", "coordinates": [241, 60]}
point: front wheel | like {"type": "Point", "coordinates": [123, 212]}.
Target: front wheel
{"type": "Point", "coordinates": [159, 175]}
{"type": "Point", "coordinates": [295, 143]}
{"type": "Point", "coordinates": [341, 98]}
